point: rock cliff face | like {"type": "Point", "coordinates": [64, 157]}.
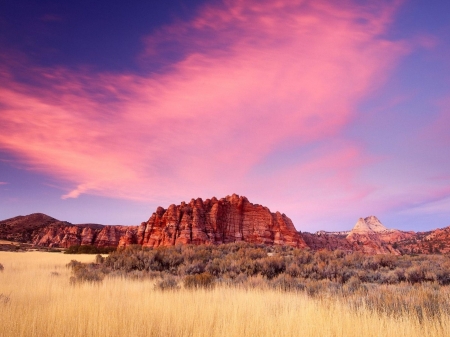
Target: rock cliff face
{"type": "Point", "coordinates": [213, 221]}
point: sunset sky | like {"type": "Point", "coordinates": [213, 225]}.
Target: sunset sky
{"type": "Point", "coordinates": [326, 111]}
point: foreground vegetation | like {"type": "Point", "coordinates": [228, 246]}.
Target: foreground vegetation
{"type": "Point", "coordinates": [387, 284]}
{"type": "Point", "coordinates": [39, 298]}
{"type": "Point", "coordinates": [283, 267]}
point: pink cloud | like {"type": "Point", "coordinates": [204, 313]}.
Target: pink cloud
{"type": "Point", "coordinates": [256, 77]}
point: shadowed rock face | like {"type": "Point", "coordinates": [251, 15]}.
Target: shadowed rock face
{"type": "Point", "coordinates": [213, 221]}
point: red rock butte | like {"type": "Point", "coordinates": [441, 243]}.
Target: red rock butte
{"type": "Point", "coordinates": [216, 221]}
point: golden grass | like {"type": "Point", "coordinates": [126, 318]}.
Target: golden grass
{"type": "Point", "coordinates": [45, 304]}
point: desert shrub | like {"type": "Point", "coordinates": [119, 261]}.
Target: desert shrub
{"type": "Point", "coordinates": [168, 282]}
{"type": "Point", "coordinates": [99, 259]}
{"type": "Point", "coordinates": [317, 288]}
{"type": "Point", "coordinates": [285, 282]}
{"type": "Point", "coordinates": [391, 277]}
{"type": "Point", "coordinates": [272, 266]}
{"type": "Point", "coordinates": [1, 267]}
{"type": "Point", "coordinates": [204, 280]}
{"type": "Point", "coordinates": [352, 285]}
{"type": "Point", "coordinates": [88, 249]}
{"type": "Point", "coordinates": [196, 267]}
{"type": "Point", "coordinates": [415, 274]}
{"type": "Point", "coordinates": [323, 256]}
{"type": "Point", "coordinates": [443, 277]}
{"type": "Point", "coordinates": [293, 270]}
{"type": "Point", "coordinates": [83, 272]}
{"type": "Point", "coordinates": [302, 256]}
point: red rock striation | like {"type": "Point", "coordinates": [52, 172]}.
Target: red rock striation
{"type": "Point", "coordinates": [213, 221]}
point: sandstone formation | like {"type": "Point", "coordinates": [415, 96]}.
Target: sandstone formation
{"type": "Point", "coordinates": [369, 225]}
{"type": "Point", "coordinates": [432, 242]}
{"type": "Point", "coordinates": [329, 241]}
{"type": "Point", "coordinates": [374, 238]}
{"type": "Point", "coordinates": [213, 221]}
{"type": "Point", "coordinates": [41, 230]}
{"type": "Point", "coordinates": [368, 236]}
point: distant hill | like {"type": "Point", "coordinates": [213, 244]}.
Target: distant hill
{"type": "Point", "coordinates": [42, 230]}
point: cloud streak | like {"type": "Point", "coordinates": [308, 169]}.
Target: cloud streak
{"type": "Point", "coordinates": [252, 78]}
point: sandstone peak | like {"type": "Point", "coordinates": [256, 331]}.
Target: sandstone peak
{"type": "Point", "coordinates": [369, 225]}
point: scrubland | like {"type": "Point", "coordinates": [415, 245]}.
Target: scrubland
{"type": "Point", "coordinates": [40, 296]}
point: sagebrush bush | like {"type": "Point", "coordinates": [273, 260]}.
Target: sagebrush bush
{"type": "Point", "coordinates": [203, 280]}
{"type": "Point", "coordinates": [83, 272]}
{"type": "Point", "coordinates": [168, 282]}
{"type": "Point", "coordinates": [99, 259]}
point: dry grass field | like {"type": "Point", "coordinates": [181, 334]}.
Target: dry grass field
{"type": "Point", "coordinates": [37, 299]}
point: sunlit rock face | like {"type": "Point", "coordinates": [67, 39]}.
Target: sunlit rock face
{"type": "Point", "coordinates": [216, 221]}
{"type": "Point", "coordinates": [368, 225]}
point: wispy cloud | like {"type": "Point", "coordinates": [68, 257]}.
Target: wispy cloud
{"type": "Point", "coordinates": [255, 78]}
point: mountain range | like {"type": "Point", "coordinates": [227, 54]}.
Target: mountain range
{"type": "Point", "coordinates": [217, 221]}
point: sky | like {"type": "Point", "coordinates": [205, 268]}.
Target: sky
{"type": "Point", "coordinates": [326, 111]}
